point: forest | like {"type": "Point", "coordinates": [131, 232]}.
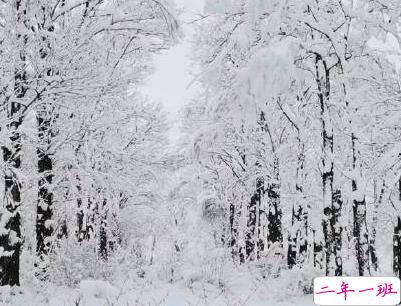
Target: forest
{"type": "Point", "coordinates": [286, 165]}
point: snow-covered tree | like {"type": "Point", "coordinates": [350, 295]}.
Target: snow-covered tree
{"type": "Point", "coordinates": [314, 72]}
{"type": "Point", "coordinates": [70, 66]}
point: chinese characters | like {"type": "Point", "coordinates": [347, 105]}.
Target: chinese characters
{"type": "Point", "coordinates": [382, 290]}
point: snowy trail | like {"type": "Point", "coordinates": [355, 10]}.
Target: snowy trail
{"type": "Point", "coordinates": [177, 298]}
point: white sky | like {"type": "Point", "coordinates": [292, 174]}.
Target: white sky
{"type": "Point", "coordinates": [190, 7]}
{"type": "Point", "coordinates": [169, 84]}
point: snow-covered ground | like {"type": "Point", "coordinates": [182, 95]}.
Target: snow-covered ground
{"type": "Point", "coordinates": [101, 293]}
{"type": "Point", "coordinates": [234, 286]}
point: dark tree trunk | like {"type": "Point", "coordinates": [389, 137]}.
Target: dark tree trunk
{"type": "Point", "coordinates": [253, 242]}
{"type": "Point", "coordinates": [318, 254]}
{"type": "Point", "coordinates": [44, 226]}
{"type": "Point", "coordinates": [45, 115]}
{"type": "Point", "coordinates": [397, 248]}
{"type": "Point", "coordinates": [372, 242]}
{"type": "Point", "coordinates": [10, 238]}
{"type": "Point", "coordinates": [233, 229]}
{"type": "Point", "coordinates": [81, 227]}
{"type": "Point", "coordinates": [260, 212]}
{"type": "Point", "coordinates": [84, 220]}
{"type": "Point", "coordinates": [103, 241]}
{"type": "Point", "coordinates": [251, 228]}
{"type": "Point", "coordinates": [297, 238]}
{"type": "Point", "coordinates": [63, 230]}
{"type": "Point", "coordinates": [275, 234]}
{"type": "Point", "coordinates": [80, 220]}
{"type": "Point", "coordinates": [331, 201]}
{"type": "Point", "coordinates": [360, 225]}
{"type": "Point", "coordinates": [238, 246]}
{"type": "Point", "coordinates": [44, 208]}
{"type": "Point", "coordinates": [397, 241]}
{"type": "Point", "coordinates": [238, 251]}
{"type": "Point", "coordinates": [361, 237]}
{"type": "Point", "coordinates": [89, 219]}
{"type": "Point", "coordinates": [268, 192]}
{"type": "Point", "coordinates": [103, 250]}
{"type": "Point", "coordinates": [84, 215]}
{"type": "Point", "coordinates": [337, 231]}
{"type": "Point", "coordinates": [114, 230]}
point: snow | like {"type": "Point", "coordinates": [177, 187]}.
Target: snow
{"type": "Point", "coordinates": [13, 238]}
{"type": "Point", "coordinates": [5, 253]}
{"type": "Point", "coordinates": [304, 301]}
{"type": "Point", "coordinates": [171, 252]}
{"type": "Point", "coordinates": [49, 223]}
{"type": "Point", "coordinates": [218, 6]}
{"type": "Point", "coordinates": [102, 293]}
{"type": "Point", "coordinates": [258, 7]}
{"type": "Point", "coordinates": [389, 46]}
{"type": "Point", "coordinates": [97, 293]}
{"type": "Point", "coordinates": [270, 73]}
{"type": "Point", "coordinates": [175, 298]}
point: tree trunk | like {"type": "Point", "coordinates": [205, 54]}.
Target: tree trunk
{"type": "Point", "coordinates": [84, 215]}
{"type": "Point", "coordinates": [253, 240]}
{"type": "Point", "coordinates": [372, 242]}
{"type": "Point", "coordinates": [360, 225]}
{"type": "Point", "coordinates": [337, 231]}
{"type": "Point", "coordinates": [103, 230]}
{"type": "Point", "coordinates": [237, 251]}
{"type": "Point", "coordinates": [275, 234]}
{"type": "Point", "coordinates": [233, 228]}
{"type": "Point", "coordinates": [10, 237]}
{"type": "Point", "coordinates": [268, 196]}
{"type": "Point", "coordinates": [318, 252]}
{"type": "Point", "coordinates": [397, 248]}
{"type": "Point", "coordinates": [397, 240]}
{"type": "Point", "coordinates": [251, 228]}
{"type": "Point", "coordinates": [297, 238]}
{"type": "Point", "coordinates": [44, 213]}
{"type": "Point", "coordinates": [44, 227]}
{"type": "Point", "coordinates": [330, 207]}
{"type": "Point", "coordinates": [260, 213]}
{"type": "Point", "coordinates": [81, 228]}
